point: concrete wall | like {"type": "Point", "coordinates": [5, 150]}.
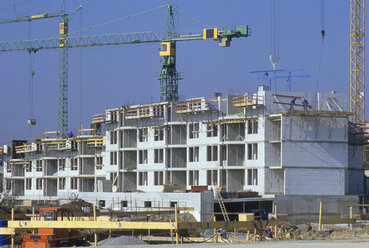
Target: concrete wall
{"type": "Point", "coordinates": [201, 202]}
{"type": "Point", "coordinates": [317, 181]}
{"type": "Point", "coordinates": [333, 206]}
{"type": "Point", "coordinates": [320, 142]}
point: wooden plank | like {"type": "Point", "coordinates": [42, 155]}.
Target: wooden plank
{"type": "Point", "coordinates": [295, 104]}
{"type": "Point", "coordinates": [357, 205]}
{"type": "Point", "coordinates": [338, 221]}
{"type": "Point", "coordinates": [7, 231]}
{"type": "Point", "coordinates": [319, 112]}
{"type": "Point", "coordinates": [122, 225]}
{"type": "Point", "coordinates": [222, 224]}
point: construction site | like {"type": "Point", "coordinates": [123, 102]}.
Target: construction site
{"type": "Point", "coordinates": [260, 164]}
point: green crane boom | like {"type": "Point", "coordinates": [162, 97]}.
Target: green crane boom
{"type": "Point", "coordinates": [168, 76]}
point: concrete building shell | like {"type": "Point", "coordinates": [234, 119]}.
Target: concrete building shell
{"type": "Point", "coordinates": [258, 142]}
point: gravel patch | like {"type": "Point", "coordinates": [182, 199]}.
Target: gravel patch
{"type": "Point", "coordinates": [121, 240]}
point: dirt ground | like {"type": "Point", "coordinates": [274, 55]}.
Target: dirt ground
{"type": "Point", "coordinates": [291, 236]}
{"type": "Point", "coordinates": [329, 232]}
{"type": "Point", "coordinates": [270, 244]}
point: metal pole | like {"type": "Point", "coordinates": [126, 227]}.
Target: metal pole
{"type": "Point", "coordinates": [215, 230]}
{"type": "Point", "coordinates": [350, 218]}
{"type": "Point", "coordinates": [320, 216]}
{"type": "Point", "coordinates": [276, 218]}
{"type": "Point", "coordinates": [12, 218]}
{"type": "Point", "coordinates": [95, 234]}
{"type": "Point", "coordinates": [171, 231]}
{"type": "Point", "coordinates": [270, 84]}
{"type": "Point", "coordinates": [176, 222]}
{"type": "Point", "coordinates": [289, 82]}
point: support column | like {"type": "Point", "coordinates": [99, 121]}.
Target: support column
{"type": "Point", "coordinates": [95, 234]}
{"type": "Point", "coordinates": [350, 217]}
{"type": "Point", "coordinates": [215, 230]}
{"type": "Point", "coordinates": [276, 218]}
{"type": "Point", "coordinates": [320, 216]}
{"type": "Point", "coordinates": [12, 239]}
{"type": "Point", "coordinates": [176, 223]}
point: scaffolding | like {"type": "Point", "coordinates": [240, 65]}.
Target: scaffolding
{"type": "Point", "coordinates": [45, 135]}
{"type": "Point", "coordinates": [248, 100]}
{"type": "Point", "coordinates": [99, 118]}
{"type": "Point", "coordinates": [145, 111]}
{"type": "Point", "coordinates": [192, 105]}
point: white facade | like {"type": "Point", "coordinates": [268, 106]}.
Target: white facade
{"type": "Point", "coordinates": [257, 142]}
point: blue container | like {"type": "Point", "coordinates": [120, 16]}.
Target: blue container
{"type": "Point", "coordinates": [4, 239]}
{"type": "Point", "coordinates": [228, 194]}
{"type": "Point", "coordinates": [260, 214]}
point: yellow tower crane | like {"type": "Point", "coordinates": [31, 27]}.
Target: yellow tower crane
{"type": "Point", "coordinates": [357, 62]}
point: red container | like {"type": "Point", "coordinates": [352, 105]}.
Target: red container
{"type": "Point", "coordinates": [199, 188]}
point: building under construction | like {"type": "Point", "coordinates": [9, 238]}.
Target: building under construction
{"type": "Point", "coordinates": [269, 147]}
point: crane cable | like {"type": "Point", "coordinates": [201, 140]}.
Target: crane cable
{"type": "Point", "coordinates": [31, 63]}
{"type": "Point", "coordinates": [322, 33]}
{"type": "Point", "coordinates": [36, 7]}
{"type": "Point", "coordinates": [116, 20]}
{"type": "Point", "coordinates": [80, 75]}
{"type": "Point", "coordinates": [32, 73]}
{"type": "Point", "coordinates": [274, 37]}
{"type": "Point", "coordinates": [31, 70]}
{"type": "Point", "coordinates": [192, 17]}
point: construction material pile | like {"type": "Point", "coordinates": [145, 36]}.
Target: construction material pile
{"type": "Point", "coordinates": [182, 217]}
{"type": "Point", "coordinates": [5, 212]}
{"type": "Point", "coordinates": [301, 232]}
{"type": "Point", "coordinates": [7, 202]}
{"type": "Point", "coordinates": [329, 232]}
{"type": "Point", "coordinates": [121, 240]}
{"type": "Point", "coordinates": [359, 232]}
{"type": "Point", "coordinates": [78, 206]}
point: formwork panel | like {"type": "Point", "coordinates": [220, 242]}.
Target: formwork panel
{"type": "Point", "coordinates": [236, 180]}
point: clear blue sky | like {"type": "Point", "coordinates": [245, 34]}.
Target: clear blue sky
{"type": "Point", "coordinates": [113, 76]}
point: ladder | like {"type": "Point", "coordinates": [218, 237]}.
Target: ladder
{"type": "Point", "coordinates": [222, 206]}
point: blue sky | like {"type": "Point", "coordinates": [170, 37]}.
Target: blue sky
{"type": "Point", "coordinates": [108, 77]}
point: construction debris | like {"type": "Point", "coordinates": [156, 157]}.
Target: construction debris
{"type": "Point", "coordinates": [182, 217]}
{"type": "Point", "coordinates": [331, 232]}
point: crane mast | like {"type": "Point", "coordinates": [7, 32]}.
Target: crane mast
{"type": "Point", "coordinates": [357, 62]}
{"type": "Point", "coordinates": [169, 76]}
